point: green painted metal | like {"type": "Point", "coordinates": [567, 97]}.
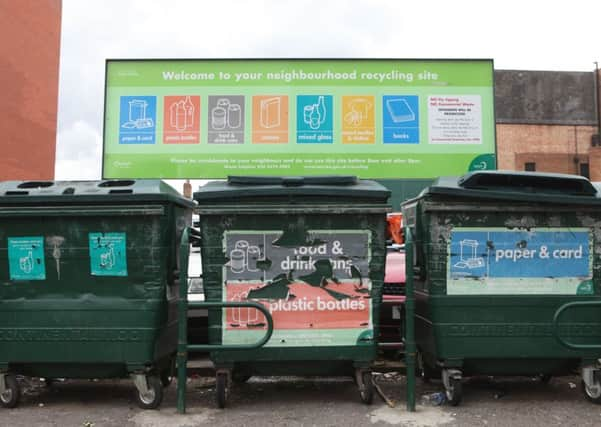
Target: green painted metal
{"type": "Point", "coordinates": [183, 347]}
{"type": "Point", "coordinates": [291, 206]}
{"type": "Point", "coordinates": [556, 326]}
{"type": "Point", "coordinates": [501, 334]}
{"type": "Point", "coordinates": [410, 348]}
{"type": "Point", "coordinates": [75, 322]}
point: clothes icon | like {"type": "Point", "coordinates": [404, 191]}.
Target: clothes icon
{"type": "Point", "coordinates": [359, 111]}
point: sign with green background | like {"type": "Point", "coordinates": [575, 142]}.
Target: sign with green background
{"type": "Point", "coordinates": [370, 118]}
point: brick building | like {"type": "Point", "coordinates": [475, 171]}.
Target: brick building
{"type": "Point", "coordinates": [29, 66]}
{"type": "Point", "coordinates": [548, 121]}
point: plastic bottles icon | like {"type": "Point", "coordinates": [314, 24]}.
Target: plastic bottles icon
{"type": "Point", "coordinates": [181, 114]}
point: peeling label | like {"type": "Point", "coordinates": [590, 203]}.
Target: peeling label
{"type": "Point", "coordinates": [533, 261]}
{"type": "Point", "coordinates": [318, 290]}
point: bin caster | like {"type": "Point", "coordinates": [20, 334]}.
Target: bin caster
{"type": "Point", "coordinates": [149, 391]}
{"type": "Point", "coordinates": [451, 379]}
{"type": "Point", "coordinates": [221, 388]}
{"type": "Point", "coordinates": [591, 384]}
{"type": "Point", "coordinates": [365, 383]}
{"type": "Point", "coordinates": [9, 391]}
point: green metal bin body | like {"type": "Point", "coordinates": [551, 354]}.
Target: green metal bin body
{"type": "Point", "coordinates": [313, 251]}
{"type": "Point", "coordinates": [87, 284]}
{"type": "Point", "coordinates": [497, 254]}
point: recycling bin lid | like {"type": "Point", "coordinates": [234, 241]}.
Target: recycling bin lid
{"type": "Point", "coordinates": [253, 187]}
{"type": "Point", "coordinates": [517, 186]}
{"type": "Point", "coordinates": [103, 191]}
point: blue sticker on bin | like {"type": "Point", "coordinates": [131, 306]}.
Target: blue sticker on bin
{"type": "Point", "coordinates": [26, 258]}
{"type": "Point", "coordinates": [108, 254]}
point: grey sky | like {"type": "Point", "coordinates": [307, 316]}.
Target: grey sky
{"type": "Point", "coordinates": [530, 35]}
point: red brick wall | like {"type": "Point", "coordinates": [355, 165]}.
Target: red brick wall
{"type": "Point", "coordinates": [553, 148]}
{"type": "Point", "coordinates": [29, 64]}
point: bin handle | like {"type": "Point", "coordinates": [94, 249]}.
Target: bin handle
{"type": "Point", "coordinates": [231, 304]}
{"type": "Point", "coordinates": [555, 328]}
{"type": "Point", "coordinates": [182, 343]}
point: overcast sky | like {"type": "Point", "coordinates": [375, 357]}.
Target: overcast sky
{"type": "Point", "coordinates": [528, 35]}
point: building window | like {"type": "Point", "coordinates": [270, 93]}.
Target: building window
{"type": "Point", "coordinates": [584, 171]}
{"type": "Point", "coordinates": [530, 167]}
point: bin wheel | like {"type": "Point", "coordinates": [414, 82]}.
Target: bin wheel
{"type": "Point", "coordinates": [10, 397]}
{"type": "Point", "coordinates": [221, 389]}
{"type": "Point", "coordinates": [455, 393]}
{"type": "Point", "coordinates": [153, 398]}
{"type": "Point", "coordinates": [592, 394]}
{"type": "Point", "coordinates": [367, 391]}
{"type": "Point", "coordinates": [240, 378]}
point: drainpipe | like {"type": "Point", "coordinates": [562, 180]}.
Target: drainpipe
{"type": "Point", "coordinates": [597, 102]}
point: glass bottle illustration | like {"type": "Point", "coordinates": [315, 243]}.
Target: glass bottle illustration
{"type": "Point", "coordinates": [321, 107]}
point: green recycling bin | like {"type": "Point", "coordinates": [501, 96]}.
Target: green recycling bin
{"type": "Point", "coordinates": [499, 256]}
{"type": "Point", "coordinates": [87, 282]}
{"type": "Point", "coordinates": [312, 250]}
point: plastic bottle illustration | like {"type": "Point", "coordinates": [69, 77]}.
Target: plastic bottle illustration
{"type": "Point", "coordinates": [181, 114]}
{"type": "Point", "coordinates": [189, 108]}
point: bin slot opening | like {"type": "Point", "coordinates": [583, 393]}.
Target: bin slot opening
{"type": "Point", "coordinates": [117, 183]}
{"type": "Point", "coordinates": [16, 193]}
{"type": "Point", "coordinates": [69, 190]}
{"type": "Point", "coordinates": [532, 183]}
{"type": "Point", "coordinates": [127, 191]}
{"type": "Point", "coordinates": [35, 184]}
{"type": "Point", "coordinates": [292, 181]}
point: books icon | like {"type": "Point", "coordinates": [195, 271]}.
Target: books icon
{"type": "Point", "coordinates": [399, 110]}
